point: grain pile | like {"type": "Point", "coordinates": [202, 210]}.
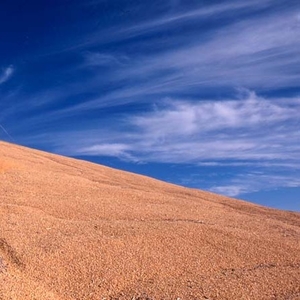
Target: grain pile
{"type": "Point", "coordinates": [70, 229]}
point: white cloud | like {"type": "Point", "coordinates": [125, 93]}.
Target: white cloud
{"type": "Point", "coordinates": [253, 130]}
{"type": "Point", "coordinates": [250, 129]}
{"type": "Point", "coordinates": [229, 190]}
{"type": "Point", "coordinates": [122, 151]}
{"type": "Point", "coordinates": [256, 53]}
{"type": "Point", "coordinates": [202, 12]}
{"type": "Point", "coordinates": [6, 74]}
{"type": "Point", "coordinates": [178, 15]}
{"type": "Point", "coordinates": [259, 53]}
{"type": "Point", "coordinates": [104, 149]}
{"type": "Point", "coordinates": [252, 182]}
{"type": "Point", "coordinates": [183, 117]}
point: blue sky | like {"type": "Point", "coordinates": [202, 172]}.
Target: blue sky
{"type": "Point", "coordinates": [204, 94]}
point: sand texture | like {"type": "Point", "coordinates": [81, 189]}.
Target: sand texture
{"type": "Point", "coordinates": [70, 229]}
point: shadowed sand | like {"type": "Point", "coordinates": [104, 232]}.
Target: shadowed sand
{"type": "Point", "coordinates": [70, 229]}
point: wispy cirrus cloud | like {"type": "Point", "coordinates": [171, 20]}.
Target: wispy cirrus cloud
{"type": "Point", "coordinates": [195, 13]}
{"type": "Point", "coordinates": [249, 133]}
{"type": "Point", "coordinates": [252, 182]}
{"type": "Point", "coordinates": [248, 130]}
{"type": "Point", "coordinates": [255, 53]}
{"type": "Point", "coordinates": [6, 74]}
{"type": "Point", "coordinates": [259, 52]}
{"type": "Point", "coordinates": [209, 116]}
{"type": "Point", "coordinates": [112, 149]}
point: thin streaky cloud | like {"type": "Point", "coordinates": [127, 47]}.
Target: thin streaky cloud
{"type": "Point", "coordinates": [257, 53]}
{"type": "Point", "coordinates": [249, 53]}
{"type": "Point", "coordinates": [124, 32]}
{"type": "Point", "coordinates": [253, 182]}
{"type": "Point", "coordinates": [191, 132]}
{"type": "Point", "coordinates": [7, 133]}
{"type": "Point", "coordinates": [203, 12]}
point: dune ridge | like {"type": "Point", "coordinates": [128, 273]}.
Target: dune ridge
{"type": "Point", "coordinates": [71, 229]}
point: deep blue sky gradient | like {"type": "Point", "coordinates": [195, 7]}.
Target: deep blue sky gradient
{"type": "Point", "coordinates": [204, 94]}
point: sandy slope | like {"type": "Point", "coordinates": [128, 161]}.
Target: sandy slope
{"type": "Point", "coordinates": [70, 229]}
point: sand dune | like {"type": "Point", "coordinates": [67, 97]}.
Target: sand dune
{"type": "Point", "coordinates": [70, 229]}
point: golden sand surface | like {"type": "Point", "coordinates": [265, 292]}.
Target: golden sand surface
{"type": "Point", "coordinates": [70, 229]}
